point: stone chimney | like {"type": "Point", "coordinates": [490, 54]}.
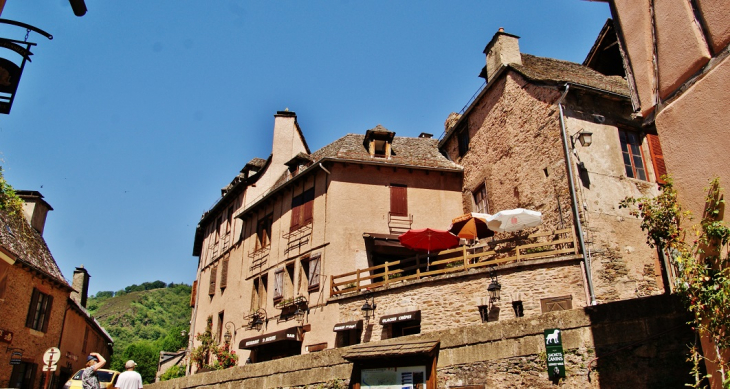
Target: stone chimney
{"type": "Point", "coordinates": [503, 49]}
{"type": "Point", "coordinates": [80, 285]}
{"type": "Point", "coordinates": [288, 140]}
{"type": "Point", "coordinates": [35, 208]}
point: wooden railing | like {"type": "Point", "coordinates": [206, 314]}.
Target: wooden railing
{"type": "Point", "coordinates": [461, 259]}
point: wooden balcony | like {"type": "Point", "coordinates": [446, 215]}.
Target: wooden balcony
{"type": "Point", "coordinates": [461, 259]}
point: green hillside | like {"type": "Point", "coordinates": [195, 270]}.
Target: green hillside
{"type": "Point", "coordinates": [143, 320]}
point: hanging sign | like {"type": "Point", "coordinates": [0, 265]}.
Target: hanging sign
{"type": "Point", "coordinates": [16, 357]}
{"type": "Point", "coordinates": [554, 353]}
{"type": "Point", "coordinates": [6, 336]}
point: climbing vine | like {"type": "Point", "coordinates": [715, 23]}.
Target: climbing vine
{"type": "Point", "coordinates": [9, 200]}
{"type": "Point", "coordinates": [703, 266]}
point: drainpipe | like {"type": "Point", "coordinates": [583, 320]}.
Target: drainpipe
{"type": "Point", "coordinates": [574, 198]}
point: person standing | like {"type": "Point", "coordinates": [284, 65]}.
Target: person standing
{"type": "Point", "coordinates": [130, 379]}
{"type": "Point", "coordinates": [89, 379]}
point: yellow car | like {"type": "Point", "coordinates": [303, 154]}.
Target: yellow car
{"type": "Point", "coordinates": [107, 379]}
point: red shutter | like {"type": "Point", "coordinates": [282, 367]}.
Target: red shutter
{"type": "Point", "coordinates": [657, 157]}
{"type": "Point", "coordinates": [295, 213]}
{"type": "Point", "coordinates": [398, 201]}
{"type": "Point", "coordinates": [193, 293]}
{"type": "Point", "coordinates": [307, 206]}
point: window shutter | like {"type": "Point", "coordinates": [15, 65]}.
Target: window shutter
{"type": "Point", "coordinates": [296, 209]}
{"type": "Point", "coordinates": [278, 283]}
{"type": "Point", "coordinates": [213, 273]}
{"type": "Point", "coordinates": [657, 157]}
{"type": "Point", "coordinates": [398, 201]}
{"type": "Point", "coordinates": [32, 309]}
{"type": "Point", "coordinates": [193, 293]}
{"type": "Point", "coordinates": [314, 272]}
{"type": "Point", "coordinates": [47, 313]}
{"type": "Point", "coordinates": [308, 206]}
{"type": "Point", "coordinates": [224, 273]}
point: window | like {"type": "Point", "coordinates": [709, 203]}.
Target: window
{"type": "Point", "coordinates": [39, 311]}
{"type": "Point", "coordinates": [348, 338]}
{"type": "Point", "coordinates": [229, 219]}
{"type": "Point", "coordinates": [263, 232]}
{"type": "Point", "coordinates": [216, 227]}
{"type": "Point", "coordinates": [258, 295]}
{"type": "Point", "coordinates": [219, 332]}
{"type": "Point", "coordinates": [480, 200]}
{"type": "Point", "coordinates": [301, 209]}
{"type": "Point", "coordinates": [398, 200]}
{"type": "Point", "coordinates": [552, 304]}
{"type": "Point", "coordinates": [4, 270]}
{"type": "Point", "coordinates": [213, 273]}
{"type": "Point", "coordinates": [657, 157]}
{"type": "Point", "coordinates": [633, 158]}
{"type": "Point", "coordinates": [23, 375]}
{"type": "Point", "coordinates": [463, 139]}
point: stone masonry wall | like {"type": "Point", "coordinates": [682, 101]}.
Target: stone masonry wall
{"type": "Point", "coordinates": [637, 343]}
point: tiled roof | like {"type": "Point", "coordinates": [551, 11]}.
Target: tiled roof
{"type": "Point", "coordinates": [258, 162]}
{"type": "Point", "coordinates": [391, 349]}
{"type": "Point", "coordinates": [557, 71]}
{"type": "Point", "coordinates": [417, 152]}
{"type": "Point", "coordinates": [17, 236]}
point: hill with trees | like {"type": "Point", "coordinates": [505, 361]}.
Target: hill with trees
{"type": "Point", "coordinates": [143, 320]}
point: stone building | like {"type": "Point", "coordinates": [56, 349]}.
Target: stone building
{"type": "Point", "coordinates": [286, 224]}
{"type": "Point", "coordinates": [38, 311]}
{"type": "Point", "coordinates": [676, 60]}
{"type": "Point", "coordinates": [522, 142]}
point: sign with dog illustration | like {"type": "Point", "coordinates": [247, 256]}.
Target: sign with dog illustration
{"type": "Point", "coordinates": [554, 353]}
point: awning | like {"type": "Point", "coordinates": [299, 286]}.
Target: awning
{"type": "Point", "coordinates": [399, 317]}
{"type": "Point", "coordinates": [350, 325]}
{"type": "Point", "coordinates": [290, 334]}
{"type": "Point", "coordinates": [392, 350]}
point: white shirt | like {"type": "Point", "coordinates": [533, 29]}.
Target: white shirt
{"type": "Point", "coordinates": [129, 380]}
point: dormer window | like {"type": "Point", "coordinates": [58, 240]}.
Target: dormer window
{"type": "Point", "coordinates": [299, 163]}
{"type": "Point", "coordinates": [378, 142]}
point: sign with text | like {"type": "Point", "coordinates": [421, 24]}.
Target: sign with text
{"type": "Point", "coordinates": [16, 357]}
{"type": "Point", "coordinates": [554, 353]}
{"type": "Point", "coordinates": [400, 317]}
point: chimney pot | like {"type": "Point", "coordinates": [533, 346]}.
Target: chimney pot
{"type": "Point", "coordinates": [80, 284]}
{"type": "Point", "coordinates": [35, 208]}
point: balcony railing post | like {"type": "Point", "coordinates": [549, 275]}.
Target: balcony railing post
{"type": "Point", "coordinates": [332, 285]}
{"type": "Point", "coordinates": [418, 267]}
{"type": "Point", "coordinates": [387, 276]}
{"type": "Point", "coordinates": [466, 264]}
{"type": "Point", "coordinates": [357, 281]}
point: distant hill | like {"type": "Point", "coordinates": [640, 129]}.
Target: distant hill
{"type": "Point", "coordinates": [143, 320]}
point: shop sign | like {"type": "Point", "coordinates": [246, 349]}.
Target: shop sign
{"type": "Point", "coordinates": [16, 357]}
{"type": "Point", "coordinates": [6, 336]}
{"type": "Point", "coordinates": [352, 325]}
{"type": "Point", "coordinates": [554, 353]}
{"type": "Point", "coordinates": [290, 334]}
{"type": "Point", "coordinates": [397, 318]}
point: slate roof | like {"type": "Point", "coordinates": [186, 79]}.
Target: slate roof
{"type": "Point", "coordinates": [558, 71]}
{"type": "Point", "coordinates": [22, 240]}
{"type": "Point", "coordinates": [257, 162]}
{"type": "Point", "coordinates": [417, 152]}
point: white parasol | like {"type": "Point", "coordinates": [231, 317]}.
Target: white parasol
{"type": "Point", "coordinates": [514, 220]}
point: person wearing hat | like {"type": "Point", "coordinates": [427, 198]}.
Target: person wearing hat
{"type": "Point", "coordinates": [94, 362]}
{"type": "Point", "coordinates": [130, 379]}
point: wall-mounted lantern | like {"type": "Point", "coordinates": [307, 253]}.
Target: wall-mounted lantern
{"type": "Point", "coordinates": [494, 287]}
{"type": "Point", "coordinates": [227, 336]}
{"type": "Point", "coordinates": [584, 137]}
{"type": "Point", "coordinates": [368, 309]}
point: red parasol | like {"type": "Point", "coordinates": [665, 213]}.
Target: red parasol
{"type": "Point", "coordinates": [428, 239]}
{"type": "Point", "coordinates": [471, 226]}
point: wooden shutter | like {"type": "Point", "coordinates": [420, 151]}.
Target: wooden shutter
{"type": "Point", "coordinates": [278, 283]}
{"type": "Point", "coordinates": [398, 200]}
{"type": "Point", "coordinates": [307, 206]}
{"type": "Point", "coordinates": [224, 273]}
{"type": "Point", "coordinates": [314, 271]}
{"type": "Point", "coordinates": [213, 273]}
{"type": "Point", "coordinates": [47, 313]}
{"type": "Point", "coordinates": [193, 293]}
{"type": "Point", "coordinates": [32, 309]}
{"type": "Point", "coordinates": [657, 157]}
{"type": "Point", "coordinates": [296, 208]}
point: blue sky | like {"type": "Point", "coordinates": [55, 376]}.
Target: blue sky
{"type": "Point", "coordinates": [135, 115]}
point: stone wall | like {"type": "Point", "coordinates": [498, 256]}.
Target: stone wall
{"type": "Point", "coordinates": [625, 344]}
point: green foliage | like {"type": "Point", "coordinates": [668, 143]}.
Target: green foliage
{"type": "Point", "coordinates": [9, 200]}
{"type": "Point", "coordinates": [173, 372]}
{"type": "Point", "coordinates": [104, 294]}
{"type": "Point", "coordinates": [703, 267]}
{"type": "Point", "coordinates": [143, 323]}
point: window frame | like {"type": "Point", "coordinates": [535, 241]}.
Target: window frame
{"type": "Point", "coordinates": [263, 231]}
{"type": "Point", "coordinates": [625, 140]}
{"type": "Point", "coordinates": [314, 270]}
{"type": "Point", "coordinates": [39, 311]}
{"type": "Point", "coordinates": [481, 191]}
{"type": "Point", "coordinates": [398, 200]}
